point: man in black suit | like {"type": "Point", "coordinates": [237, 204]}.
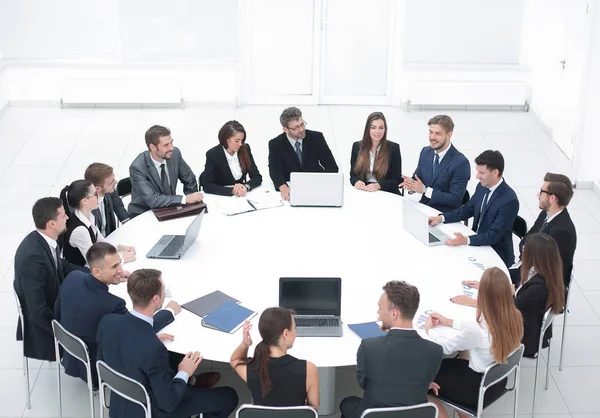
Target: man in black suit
{"type": "Point", "coordinates": [297, 149]}
{"type": "Point", "coordinates": [109, 202]}
{"type": "Point", "coordinates": [128, 344]}
{"type": "Point", "coordinates": [554, 220]}
{"type": "Point", "coordinates": [397, 369]}
{"type": "Point", "coordinates": [39, 271]}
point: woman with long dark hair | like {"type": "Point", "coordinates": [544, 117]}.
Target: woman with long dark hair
{"type": "Point", "coordinates": [229, 164]}
{"type": "Point", "coordinates": [376, 163]}
{"type": "Point", "coordinates": [274, 377]}
{"type": "Point", "coordinates": [80, 198]}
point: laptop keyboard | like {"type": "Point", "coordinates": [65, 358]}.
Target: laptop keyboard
{"type": "Point", "coordinates": [316, 322]}
{"type": "Point", "coordinates": [174, 246]}
{"type": "Point", "coordinates": [433, 238]}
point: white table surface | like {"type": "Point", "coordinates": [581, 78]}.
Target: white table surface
{"type": "Point", "coordinates": [244, 256]}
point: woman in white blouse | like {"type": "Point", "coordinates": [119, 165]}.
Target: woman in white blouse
{"type": "Point", "coordinates": [80, 198]}
{"type": "Point", "coordinates": [230, 168]}
{"type": "Point", "coordinates": [495, 332]}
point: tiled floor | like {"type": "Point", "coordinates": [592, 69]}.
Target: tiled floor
{"type": "Point", "coordinates": [45, 148]}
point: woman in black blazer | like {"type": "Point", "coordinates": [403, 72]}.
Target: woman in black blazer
{"type": "Point", "coordinates": [541, 288]}
{"type": "Point", "coordinates": [376, 163]}
{"type": "Point", "coordinates": [229, 164]}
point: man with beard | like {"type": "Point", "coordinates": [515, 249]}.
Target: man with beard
{"type": "Point", "coordinates": [154, 174]}
{"type": "Point", "coordinates": [443, 172]}
{"type": "Point", "coordinates": [39, 272]}
{"type": "Point", "coordinates": [297, 149]}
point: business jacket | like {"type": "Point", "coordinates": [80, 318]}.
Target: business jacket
{"type": "Point", "coordinates": [316, 157]}
{"type": "Point", "coordinates": [396, 369]}
{"type": "Point", "coordinates": [450, 181]}
{"type": "Point", "coordinates": [562, 229]}
{"type": "Point", "coordinates": [115, 207]}
{"type": "Point", "coordinates": [393, 177]}
{"type": "Point", "coordinates": [495, 228]}
{"type": "Point", "coordinates": [531, 300]}
{"type": "Point", "coordinates": [36, 283]}
{"type": "Point", "coordinates": [82, 302]}
{"type": "Point", "coordinates": [217, 174]}
{"type": "Point", "coordinates": [146, 186]}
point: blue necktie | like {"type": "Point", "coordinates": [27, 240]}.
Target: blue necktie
{"type": "Point", "coordinates": [436, 163]}
{"type": "Point", "coordinates": [298, 151]}
{"type": "Point", "coordinates": [483, 206]}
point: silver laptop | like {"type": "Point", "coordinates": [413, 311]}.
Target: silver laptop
{"type": "Point", "coordinates": [417, 223]}
{"type": "Point", "coordinates": [316, 302]}
{"type": "Point", "coordinates": [174, 246]}
{"type": "Point", "coordinates": [317, 189]}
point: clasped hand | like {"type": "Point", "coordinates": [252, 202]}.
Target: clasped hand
{"type": "Point", "coordinates": [411, 185]}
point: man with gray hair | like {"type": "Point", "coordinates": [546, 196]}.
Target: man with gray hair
{"type": "Point", "coordinates": [297, 149]}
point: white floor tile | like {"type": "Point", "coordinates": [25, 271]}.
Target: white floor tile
{"type": "Point", "coordinates": [12, 395]}
{"type": "Point", "coordinates": [587, 247]}
{"type": "Point", "coordinates": [581, 311]}
{"type": "Point", "coordinates": [589, 198]}
{"type": "Point", "coordinates": [581, 346]}
{"type": "Point", "coordinates": [586, 274]}
{"type": "Point", "coordinates": [579, 387]}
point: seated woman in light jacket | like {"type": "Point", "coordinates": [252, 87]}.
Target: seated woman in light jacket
{"type": "Point", "coordinates": [491, 337]}
{"type": "Point", "coordinates": [376, 163]}
{"type": "Point", "coordinates": [229, 164]}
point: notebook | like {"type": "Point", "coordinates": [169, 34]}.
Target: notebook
{"type": "Point", "coordinates": [367, 330]}
{"type": "Point", "coordinates": [208, 303]}
{"type": "Point", "coordinates": [236, 205]}
{"type": "Point", "coordinates": [229, 317]}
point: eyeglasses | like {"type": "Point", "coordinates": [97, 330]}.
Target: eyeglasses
{"type": "Point", "coordinates": [94, 195]}
{"type": "Point", "coordinates": [301, 126]}
{"type": "Point", "coordinates": [545, 191]}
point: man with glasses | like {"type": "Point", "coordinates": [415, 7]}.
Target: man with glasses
{"type": "Point", "coordinates": [297, 149]}
{"type": "Point", "coordinates": [109, 202]}
{"type": "Point", "coordinates": [554, 220]}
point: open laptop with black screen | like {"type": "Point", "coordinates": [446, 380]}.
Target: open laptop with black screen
{"type": "Point", "coordinates": [316, 302]}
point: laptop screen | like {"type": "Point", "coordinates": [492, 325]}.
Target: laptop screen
{"type": "Point", "coordinates": [311, 295]}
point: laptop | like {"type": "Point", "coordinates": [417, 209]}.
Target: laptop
{"type": "Point", "coordinates": [316, 302]}
{"type": "Point", "coordinates": [417, 223]}
{"type": "Point", "coordinates": [317, 189]}
{"type": "Point", "coordinates": [174, 246]}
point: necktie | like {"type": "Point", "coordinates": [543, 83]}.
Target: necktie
{"type": "Point", "coordinates": [483, 206]}
{"type": "Point", "coordinates": [59, 270]}
{"type": "Point", "coordinates": [93, 235]}
{"type": "Point", "coordinates": [436, 163]}
{"type": "Point", "coordinates": [298, 151]}
{"type": "Point", "coordinates": [165, 179]}
{"type": "Point", "coordinates": [544, 224]}
{"type": "Point", "coordinates": [108, 218]}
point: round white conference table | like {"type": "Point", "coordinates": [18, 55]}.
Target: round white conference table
{"type": "Point", "coordinates": [364, 243]}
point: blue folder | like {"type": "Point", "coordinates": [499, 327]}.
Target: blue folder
{"type": "Point", "coordinates": [367, 330]}
{"type": "Point", "coordinates": [228, 317]}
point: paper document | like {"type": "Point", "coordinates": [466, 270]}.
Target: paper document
{"type": "Point", "coordinates": [234, 205]}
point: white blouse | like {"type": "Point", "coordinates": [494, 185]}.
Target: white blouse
{"type": "Point", "coordinates": [80, 237]}
{"type": "Point", "coordinates": [370, 177]}
{"type": "Point", "coordinates": [234, 164]}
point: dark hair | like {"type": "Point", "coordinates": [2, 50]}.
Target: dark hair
{"type": "Point", "coordinates": [143, 285]}
{"type": "Point", "coordinates": [97, 173]}
{"type": "Point", "coordinates": [560, 186]}
{"type": "Point", "coordinates": [227, 131]}
{"type": "Point", "coordinates": [45, 210]}
{"type": "Point", "coordinates": [98, 251]}
{"type": "Point", "coordinates": [444, 121]}
{"type": "Point", "coordinates": [541, 252]}
{"type": "Point", "coordinates": [403, 296]}
{"type": "Point", "coordinates": [493, 160]}
{"type": "Point", "coordinates": [154, 133]}
{"type": "Point", "coordinates": [272, 323]}
{"type": "Point", "coordinates": [363, 162]}
{"type": "Point", "coordinates": [288, 115]}
{"type": "Point", "coordinates": [72, 194]}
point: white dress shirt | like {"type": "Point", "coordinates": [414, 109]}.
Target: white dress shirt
{"type": "Point", "coordinates": [234, 164]}
{"type": "Point", "coordinates": [548, 219]}
{"type": "Point", "coordinates": [102, 213]}
{"type": "Point", "coordinates": [428, 192]}
{"type": "Point", "coordinates": [370, 177]}
{"type": "Point", "coordinates": [472, 337]}
{"type": "Point", "coordinates": [80, 237]}
{"type": "Point", "coordinates": [157, 165]}
{"type": "Point", "coordinates": [52, 244]}
{"type": "Point", "coordinates": [293, 142]}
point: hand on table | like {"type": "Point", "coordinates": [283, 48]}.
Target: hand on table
{"type": "Point", "coordinates": [175, 306]}
{"type": "Point", "coordinates": [473, 284]}
{"type": "Point", "coordinates": [434, 220]}
{"type": "Point", "coordinates": [195, 197]}
{"type": "Point", "coordinates": [360, 185]}
{"type": "Point", "coordinates": [165, 337]}
{"type": "Point", "coordinates": [464, 300]}
{"type": "Point", "coordinates": [284, 189]}
{"type": "Point", "coordinates": [459, 239]}
{"type": "Point", "coordinates": [239, 190]}
{"type": "Point", "coordinates": [373, 187]}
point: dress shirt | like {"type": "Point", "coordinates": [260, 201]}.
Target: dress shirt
{"type": "Point", "coordinates": [530, 275]}
{"type": "Point", "coordinates": [402, 329]}
{"type": "Point", "coordinates": [293, 142]}
{"type": "Point", "coordinates": [370, 177]}
{"type": "Point", "coordinates": [102, 213]}
{"type": "Point", "coordinates": [52, 244]}
{"type": "Point", "coordinates": [548, 219]}
{"type": "Point", "coordinates": [234, 164]}
{"type": "Point", "coordinates": [157, 165]}
{"type": "Point", "coordinates": [428, 192]}
{"type": "Point", "coordinates": [180, 374]}
{"type": "Point", "coordinates": [472, 337]}
{"type": "Point", "coordinates": [80, 237]}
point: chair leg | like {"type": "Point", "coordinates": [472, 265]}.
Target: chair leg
{"type": "Point", "coordinates": [91, 389]}
{"type": "Point", "coordinates": [59, 388]}
{"type": "Point", "coordinates": [537, 367]}
{"type": "Point", "coordinates": [548, 365]}
{"type": "Point", "coordinates": [562, 345]}
{"type": "Point", "coordinates": [27, 387]}
{"type": "Point", "coordinates": [516, 389]}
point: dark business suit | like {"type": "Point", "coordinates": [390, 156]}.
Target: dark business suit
{"type": "Point", "coordinates": [36, 283]}
{"type": "Point", "coordinates": [316, 157]}
{"type": "Point", "coordinates": [114, 206]}
{"type": "Point", "coordinates": [450, 180]}
{"type": "Point", "coordinates": [394, 370]}
{"type": "Point", "coordinates": [130, 346]}
{"type": "Point", "coordinates": [392, 178]}
{"type": "Point", "coordinates": [217, 174]}
{"type": "Point", "coordinates": [531, 300]}
{"type": "Point", "coordinates": [497, 219]}
{"type": "Point", "coordinates": [146, 185]}
{"type": "Point", "coordinates": [82, 302]}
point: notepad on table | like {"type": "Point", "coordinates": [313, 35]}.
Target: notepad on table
{"type": "Point", "coordinates": [228, 317]}
{"type": "Point", "coordinates": [367, 330]}
{"type": "Point", "coordinates": [208, 303]}
{"type": "Point", "coordinates": [235, 205]}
